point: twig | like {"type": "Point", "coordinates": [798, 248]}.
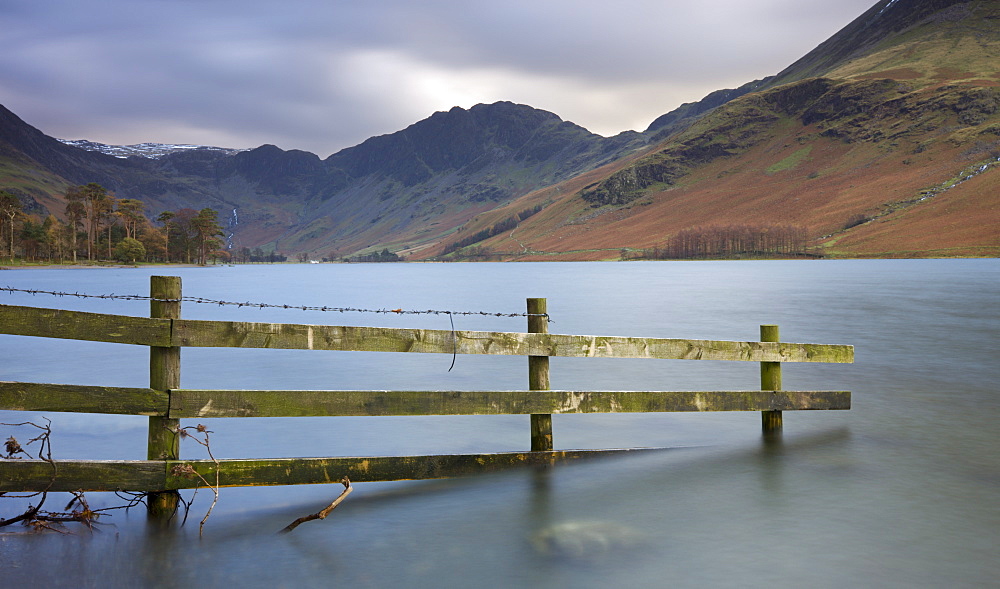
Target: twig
{"type": "Point", "coordinates": [34, 513]}
{"type": "Point", "coordinates": [28, 516]}
{"type": "Point", "coordinates": [77, 510]}
{"type": "Point", "coordinates": [324, 512]}
{"type": "Point", "coordinates": [190, 471]}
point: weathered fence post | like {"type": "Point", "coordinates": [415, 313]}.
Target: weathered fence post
{"type": "Point", "coordinates": [770, 380]}
{"type": "Point", "coordinates": [164, 374]}
{"type": "Point", "coordinates": [538, 376]}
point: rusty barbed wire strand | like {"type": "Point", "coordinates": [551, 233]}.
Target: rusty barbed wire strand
{"type": "Point", "coordinates": [201, 300]}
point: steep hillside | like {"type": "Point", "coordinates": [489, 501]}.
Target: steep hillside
{"type": "Point", "coordinates": [419, 183]}
{"type": "Point", "coordinates": [38, 168]}
{"type": "Point", "coordinates": [881, 26]}
{"type": "Point", "coordinates": [862, 157]}
{"type": "Point", "coordinates": [407, 187]}
{"type": "Point", "coordinates": [686, 114]}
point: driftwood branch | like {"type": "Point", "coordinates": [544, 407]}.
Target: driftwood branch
{"type": "Point", "coordinates": [324, 512]}
{"type": "Point", "coordinates": [34, 516]}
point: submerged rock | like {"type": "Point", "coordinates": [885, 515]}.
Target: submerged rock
{"type": "Point", "coordinates": [586, 540]}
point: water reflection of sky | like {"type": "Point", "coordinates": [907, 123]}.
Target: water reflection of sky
{"type": "Point", "coordinates": [896, 492]}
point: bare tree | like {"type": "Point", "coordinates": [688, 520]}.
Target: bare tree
{"type": "Point", "coordinates": [10, 207]}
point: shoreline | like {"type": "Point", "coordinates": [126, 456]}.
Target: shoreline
{"type": "Point", "coordinates": [101, 266]}
{"type": "Point", "coordinates": [184, 265]}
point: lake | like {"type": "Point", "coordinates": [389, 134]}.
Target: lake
{"type": "Point", "coordinates": [900, 491]}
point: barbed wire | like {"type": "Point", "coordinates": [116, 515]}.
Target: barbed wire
{"type": "Point", "coordinates": [201, 300]}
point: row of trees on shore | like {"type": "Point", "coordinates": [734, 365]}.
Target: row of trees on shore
{"type": "Point", "coordinates": [730, 241]}
{"type": "Point", "coordinates": [257, 255]}
{"type": "Point", "coordinates": [99, 226]}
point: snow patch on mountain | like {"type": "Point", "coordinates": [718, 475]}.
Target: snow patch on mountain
{"type": "Point", "coordinates": [147, 150]}
{"type": "Point", "coordinates": [887, 7]}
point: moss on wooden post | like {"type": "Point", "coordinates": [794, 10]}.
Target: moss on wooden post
{"type": "Point", "coordinates": [164, 374]}
{"type": "Point", "coordinates": [770, 380]}
{"type": "Point", "coordinates": [538, 376]}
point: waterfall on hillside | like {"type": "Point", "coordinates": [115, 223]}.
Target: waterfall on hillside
{"type": "Point", "coordinates": [231, 229]}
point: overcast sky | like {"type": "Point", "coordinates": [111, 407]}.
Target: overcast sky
{"type": "Point", "coordinates": [321, 75]}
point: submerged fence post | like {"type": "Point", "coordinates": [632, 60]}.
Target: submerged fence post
{"type": "Point", "coordinates": [770, 380]}
{"type": "Point", "coordinates": [538, 376]}
{"type": "Point", "coordinates": [164, 374]}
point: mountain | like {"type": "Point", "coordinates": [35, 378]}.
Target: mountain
{"type": "Point", "coordinates": [409, 186]}
{"type": "Point", "coordinates": [882, 141]}
{"type": "Point", "coordinates": [38, 168]}
{"type": "Point", "coordinates": [397, 189]}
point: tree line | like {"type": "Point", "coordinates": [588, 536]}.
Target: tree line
{"type": "Point", "coordinates": [383, 256]}
{"type": "Point", "coordinates": [508, 224]}
{"type": "Point", "coordinates": [730, 241]}
{"type": "Point", "coordinates": [97, 226]}
{"type": "Point", "coordinates": [257, 255]}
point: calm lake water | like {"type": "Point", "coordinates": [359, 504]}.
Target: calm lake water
{"type": "Point", "coordinates": [900, 491]}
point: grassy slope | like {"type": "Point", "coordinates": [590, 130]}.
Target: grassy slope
{"type": "Point", "coordinates": [936, 116]}
{"type": "Point", "coordinates": [24, 176]}
{"type": "Point", "coordinates": [963, 221]}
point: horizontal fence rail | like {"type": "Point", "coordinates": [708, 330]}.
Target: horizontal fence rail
{"type": "Point", "coordinates": [191, 403]}
{"type": "Point", "coordinates": [148, 475]}
{"type": "Point", "coordinates": [188, 403]}
{"type": "Point", "coordinates": [144, 331]}
{"type": "Point", "coordinates": [78, 325]}
{"type": "Point", "coordinates": [28, 476]}
{"type": "Point", "coordinates": [165, 402]}
{"type": "Point", "coordinates": [33, 396]}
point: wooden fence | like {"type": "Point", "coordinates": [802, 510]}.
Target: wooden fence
{"type": "Point", "coordinates": [165, 333]}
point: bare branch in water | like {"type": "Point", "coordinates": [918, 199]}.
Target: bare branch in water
{"type": "Point", "coordinates": [324, 512]}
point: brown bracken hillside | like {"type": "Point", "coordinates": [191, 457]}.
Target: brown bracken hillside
{"type": "Point", "coordinates": [893, 151]}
